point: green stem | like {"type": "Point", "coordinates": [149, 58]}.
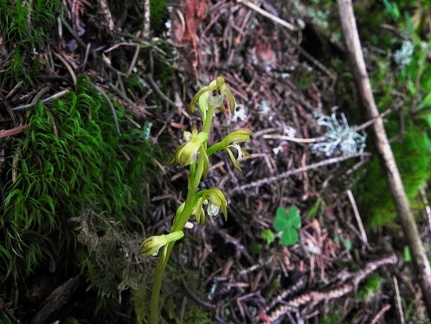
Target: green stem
{"type": "Point", "coordinates": [193, 183]}
{"type": "Point", "coordinates": [208, 120]}
{"type": "Point", "coordinates": [215, 148]}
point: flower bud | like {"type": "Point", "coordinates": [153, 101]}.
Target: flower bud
{"type": "Point", "coordinates": [152, 245]}
{"type": "Point", "coordinates": [216, 199]}
{"type": "Point", "coordinates": [187, 153]}
{"type": "Point", "coordinates": [238, 136]}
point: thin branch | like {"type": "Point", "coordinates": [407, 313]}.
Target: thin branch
{"type": "Point", "coordinates": [357, 216]}
{"type": "Point", "coordinates": [48, 99]}
{"type": "Point", "coordinates": [396, 187]}
{"type": "Point", "coordinates": [266, 14]}
{"type": "Point", "coordinates": [398, 299]}
{"type": "Point", "coordinates": [286, 174]}
{"type": "Point", "coordinates": [314, 297]}
{"type": "Point", "coordinates": [13, 131]}
{"type": "Point", "coordinates": [380, 314]}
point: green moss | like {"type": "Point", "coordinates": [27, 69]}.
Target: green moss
{"type": "Point", "coordinates": [23, 27]}
{"type": "Point", "coordinates": [159, 13]}
{"type": "Point", "coordinates": [70, 159]}
{"type": "Point", "coordinates": [370, 289]}
{"type": "Point", "coordinates": [413, 159]}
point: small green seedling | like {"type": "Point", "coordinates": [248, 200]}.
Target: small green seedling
{"type": "Point", "coordinates": [288, 225]}
{"type": "Point", "coordinates": [268, 236]}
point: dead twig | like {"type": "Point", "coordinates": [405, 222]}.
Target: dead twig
{"type": "Point", "coordinates": [146, 30]}
{"type": "Point", "coordinates": [104, 8]}
{"type": "Point", "coordinates": [398, 299]}
{"type": "Point", "coordinates": [154, 85]}
{"type": "Point", "coordinates": [195, 298]}
{"type": "Point", "coordinates": [357, 216]}
{"type": "Point", "coordinates": [268, 15]}
{"type": "Point", "coordinates": [13, 131]}
{"type": "Point", "coordinates": [314, 297]}
{"type": "Point", "coordinates": [286, 174]}
{"type": "Point", "coordinates": [427, 204]}
{"type": "Point", "coordinates": [114, 112]}
{"type": "Point", "coordinates": [380, 314]}
{"type": "Point", "coordinates": [396, 187]}
{"type": "Point", "coordinates": [57, 299]}
{"type": "Point", "coordinates": [48, 99]}
{"type": "Point", "coordinates": [68, 67]}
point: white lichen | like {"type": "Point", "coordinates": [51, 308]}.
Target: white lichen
{"type": "Point", "coordinates": [339, 137]}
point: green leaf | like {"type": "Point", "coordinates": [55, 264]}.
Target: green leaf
{"type": "Point", "coordinates": [407, 256]}
{"type": "Point", "coordinates": [288, 225]}
{"type": "Point", "coordinates": [289, 237]}
{"type": "Point", "coordinates": [295, 219]}
{"type": "Point", "coordinates": [268, 235]}
{"type": "Point", "coordinates": [313, 211]}
{"type": "Point", "coordinates": [280, 219]}
{"type": "Point", "coordinates": [426, 102]}
{"type": "Point", "coordinates": [255, 248]}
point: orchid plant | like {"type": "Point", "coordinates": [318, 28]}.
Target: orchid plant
{"type": "Point", "coordinates": [195, 153]}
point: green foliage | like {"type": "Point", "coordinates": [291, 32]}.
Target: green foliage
{"type": "Point", "coordinates": [413, 160]}
{"type": "Point", "coordinates": [371, 288]}
{"type": "Point", "coordinates": [255, 248]}
{"type": "Point", "coordinates": [288, 224]}
{"type": "Point", "coordinates": [400, 75]}
{"type": "Point", "coordinates": [407, 255]}
{"type": "Point", "coordinates": [334, 315]}
{"type": "Point", "coordinates": [70, 159]}
{"type": "Point", "coordinates": [268, 236]}
{"type": "Point", "coordinates": [392, 8]}
{"type": "Point", "coordinates": [5, 319]}
{"type": "Point", "coordinates": [196, 314]}
{"type": "Point", "coordinates": [23, 27]}
{"type": "Point", "coordinates": [304, 79]}
{"type": "Point", "coordinates": [158, 12]}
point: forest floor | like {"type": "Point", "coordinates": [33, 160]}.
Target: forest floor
{"type": "Point", "coordinates": [336, 271]}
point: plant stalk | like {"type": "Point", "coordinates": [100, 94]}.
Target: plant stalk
{"type": "Point", "coordinates": [192, 188]}
{"type": "Point", "coordinates": [396, 187]}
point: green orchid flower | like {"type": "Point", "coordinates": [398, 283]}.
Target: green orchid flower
{"type": "Point", "coordinates": [187, 153]}
{"type": "Point", "coordinates": [240, 153]}
{"type": "Point", "coordinates": [198, 210]}
{"type": "Point", "coordinates": [152, 245]}
{"type": "Point", "coordinates": [213, 95]}
{"type": "Point", "coordinates": [230, 141]}
{"type": "Point", "coordinates": [216, 200]}
{"type": "Point", "coordinates": [195, 152]}
{"type": "Point", "coordinates": [238, 136]}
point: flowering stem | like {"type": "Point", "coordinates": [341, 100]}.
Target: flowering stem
{"type": "Point", "coordinates": [194, 152]}
{"type": "Point", "coordinates": [208, 119]}
{"type": "Point", "coordinates": [193, 183]}
{"type": "Point", "coordinates": [215, 148]}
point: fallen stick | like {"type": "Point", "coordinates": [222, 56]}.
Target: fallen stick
{"type": "Point", "coordinates": [396, 187]}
